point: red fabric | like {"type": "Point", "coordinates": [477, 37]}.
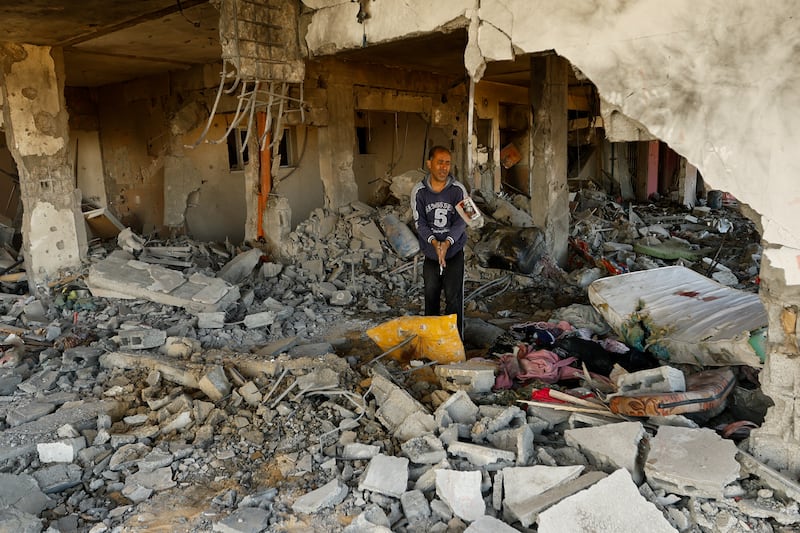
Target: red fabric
{"type": "Point", "coordinates": [543, 395]}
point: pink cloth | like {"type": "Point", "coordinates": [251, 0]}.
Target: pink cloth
{"type": "Point", "coordinates": [526, 364]}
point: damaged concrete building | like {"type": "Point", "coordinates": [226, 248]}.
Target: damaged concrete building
{"type": "Point", "coordinates": [236, 120]}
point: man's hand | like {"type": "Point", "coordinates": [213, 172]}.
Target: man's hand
{"type": "Point", "coordinates": [441, 251]}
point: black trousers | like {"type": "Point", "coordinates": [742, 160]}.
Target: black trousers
{"type": "Point", "coordinates": [452, 282]}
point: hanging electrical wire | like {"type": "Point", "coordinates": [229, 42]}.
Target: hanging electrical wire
{"type": "Point", "coordinates": [254, 96]}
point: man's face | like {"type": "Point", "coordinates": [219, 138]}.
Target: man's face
{"type": "Point", "coordinates": [439, 166]}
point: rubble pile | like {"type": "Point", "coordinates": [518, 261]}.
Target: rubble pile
{"type": "Point", "coordinates": [198, 387]}
{"type": "Point", "coordinates": [608, 238]}
{"type": "Point", "coordinates": [202, 440]}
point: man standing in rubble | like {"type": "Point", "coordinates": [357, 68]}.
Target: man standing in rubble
{"type": "Point", "coordinates": [442, 235]}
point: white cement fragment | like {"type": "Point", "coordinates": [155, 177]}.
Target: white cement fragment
{"type": "Point", "coordinates": [328, 495]}
{"type": "Point", "coordinates": [521, 483]}
{"type": "Point", "coordinates": [612, 504]}
{"type": "Point", "coordinates": [63, 451]}
{"type": "Point", "coordinates": [614, 445]}
{"type": "Point", "coordinates": [462, 492]}
{"type": "Point", "coordinates": [335, 28]}
{"type": "Point", "coordinates": [786, 259]}
{"type": "Point", "coordinates": [692, 462]}
{"type": "Point", "coordinates": [391, 20]}
{"type": "Point", "coordinates": [386, 475]}
{"type": "Point", "coordinates": [494, 44]}
{"type": "Point", "coordinates": [53, 250]}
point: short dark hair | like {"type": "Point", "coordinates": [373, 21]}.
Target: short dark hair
{"type": "Point", "coordinates": [437, 148]}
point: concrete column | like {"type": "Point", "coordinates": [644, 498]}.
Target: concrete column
{"type": "Point", "coordinates": [777, 441]}
{"type": "Point", "coordinates": [550, 193]}
{"type": "Point", "coordinates": [37, 131]}
{"type": "Point", "coordinates": [337, 143]}
{"type": "Point", "coordinates": [687, 184]}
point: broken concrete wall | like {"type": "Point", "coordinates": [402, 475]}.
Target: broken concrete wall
{"type": "Point", "coordinates": [389, 144]}
{"type": "Point", "coordinates": [85, 154]}
{"type": "Point", "coordinates": [349, 92]}
{"type": "Point", "coordinates": [203, 196]}
{"type": "Point", "coordinates": [335, 26]}
{"type": "Point", "coordinates": [9, 185]}
{"type": "Point", "coordinates": [134, 136]}
{"type": "Point", "coordinates": [299, 182]}
{"type": "Point", "coordinates": [492, 103]}
{"type": "Point", "coordinates": [155, 183]}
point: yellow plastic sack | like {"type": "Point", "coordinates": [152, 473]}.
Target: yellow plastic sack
{"type": "Point", "coordinates": [436, 338]}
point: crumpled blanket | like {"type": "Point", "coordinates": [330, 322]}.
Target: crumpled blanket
{"type": "Point", "coordinates": [527, 363]}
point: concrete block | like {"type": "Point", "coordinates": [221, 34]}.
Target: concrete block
{"type": "Point", "coordinates": [86, 354]}
{"type": "Point", "coordinates": [136, 420]}
{"type": "Point", "coordinates": [371, 520]}
{"type": "Point", "coordinates": [278, 347]}
{"type": "Point", "coordinates": [440, 510]}
{"type": "Point", "coordinates": [523, 483]}
{"type": "Point", "coordinates": [426, 482]}
{"type": "Point", "coordinates": [341, 298]}
{"type": "Point", "coordinates": [215, 384]}
{"type": "Point", "coordinates": [692, 462]}
{"type": "Point", "coordinates": [271, 270]}
{"type": "Point", "coordinates": [128, 455]}
{"type": "Point", "coordinates": [154, 460]}
{"type": "Point", "coordinates": [519, 441]}
{"type": "Point", "coordinates": [9, 381]}
{"type": "Point", "coordinates": [249, 391]}
{"type": "Point", "coordinates": [527, 509]}
{"type": "Point", "coordinates": [386, 475]}
{"type": "Point", "coordinates": [461, 491]}
{"type": "Point", "coordinates": [357, 450]}
{"type": "Point", "coordinates": [489, 524]}
{"type": "Point", "coordinates": [141, 339]}
{"type": "Point", "coordinates": [158, 479]}
{"type": "Point", "coordinates": [64, 451]}
{"type": "Point", "coordinates": [28, 413]}
{"type": "Point", "coordinates": [13, 519]}
{"type": "Point", "coordinates": [425, 449]}
{"type": "Point", "coordinates": [652, 381]}
{"type": "Point", "coordinates": [215, 320]}
{"type": "Point", "coordinates": [416, 424]}
{"type": "Point", "coordinates": [395, 408]}
{"type": "Point", "coordinates": [39, 382]}
{"type": "Point", "coordinates": [237, 269]}
{"type": "Point", "coordinates": [511, 416]}
{"type": "Point", "coordinates": [415, 506]}
{"type": "Point", "coordinates": [244, 520]}
{"type": "Point", "coordinates": [613, 500]}
{"type": "Point", "coordinates": [328, 495]}
{"type": "Point", "coordinates": [259, 320]}
{"type": "Point", "coordinates": [177, 422]}
{"type": "Point", "coordinates": [458, 408]}
{"type": "Point", "coordinates": [22, 492]}
{"type": "Point", "coordinates": [58, 477]}
{"type": "Point", "coordinates": [480, 455]}
{"type": "Point", "coordinates": [611, 446]}
{"type": "Point", "coordinates": [468, 376]}
{"type": "Point", "coordinates": [315, 349]}
{"type": "Point", "coordinates": [135, 492]}
{"type": "Point", "coordinates": [497, 491]}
